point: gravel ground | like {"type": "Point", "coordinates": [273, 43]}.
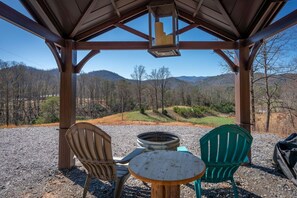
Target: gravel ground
{"type": "Point", "coordinates": [28, 166]}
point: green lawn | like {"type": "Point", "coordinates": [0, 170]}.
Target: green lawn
{"type": "Point", "coordinates": [213, 121]}
{"type": "Point", "coordinates": [150, 116]}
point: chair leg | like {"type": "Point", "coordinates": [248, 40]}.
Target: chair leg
{"type": "Point", "coordinates": [197, 185]}
{"type": "Point", "coordinates": [234, 188]}
{"type": "Point", "coordinates": [119, 186]}
{"type": "Point", "coordinates": [87, 184]}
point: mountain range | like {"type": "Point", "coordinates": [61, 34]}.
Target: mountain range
{"type": "Point", "coordinates": [223, 80]}
{"type": "Point", "coordinates": [220, 80]}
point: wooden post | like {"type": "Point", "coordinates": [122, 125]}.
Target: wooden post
{"type": "Point", "coordinates": [67, 103]}
{"type": "Point", "coordinates": [242, 90]}
{"type": "Point", "coordinates": [165, 191]}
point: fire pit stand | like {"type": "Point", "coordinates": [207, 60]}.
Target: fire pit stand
{"type": "Point", "coordinates": [158, 141]}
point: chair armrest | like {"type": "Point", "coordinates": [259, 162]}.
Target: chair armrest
{"type": "Point", "coordinates": [246, 160]}
{"type": "Point", "coordinates": [130, 156]}
{"type": "Point", "coordinates": [183, 149]}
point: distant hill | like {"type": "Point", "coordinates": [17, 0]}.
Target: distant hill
{"type": "Point", "coordinates": [191, 79]}
{"type": "Point", "coordinates": [172, 82]}
{"type": "Point", "coordinates": [220, 80]}
{"type": "Point", "coordinates": [223, 80]}
{"type": "Point", "coordinates": [107, 75]}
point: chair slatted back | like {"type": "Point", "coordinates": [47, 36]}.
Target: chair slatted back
{"type": "Point", "coordinates": [92, 146]}
{"type": "Point", "coordinates": [223, 150]}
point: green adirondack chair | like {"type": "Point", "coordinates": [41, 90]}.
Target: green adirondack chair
{"type": "Point", "coordinates": [223, 150]}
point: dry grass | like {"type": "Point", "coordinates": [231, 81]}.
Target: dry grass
{"type": "Point", "coordinates": [280, 123]}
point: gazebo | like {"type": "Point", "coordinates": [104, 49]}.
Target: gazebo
{"type": "Point", "coordinates": [67, 26]}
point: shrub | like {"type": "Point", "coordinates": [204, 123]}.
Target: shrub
{"type": "Point", "coordinates": [164, 112]}
{"type": "Point", "coordinates": [224, 107]}
{"type": "Point", "coordinates": [193, 112]}
{"type": "Point", "coordinates": [49, 111]}
{"type": "Point", "coordinates": [142, 111]}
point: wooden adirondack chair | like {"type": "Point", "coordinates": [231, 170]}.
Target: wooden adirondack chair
{"type": "Point", "coordinates": [92, 147]}
{"type": "Point", "coordinates": [223, 150]}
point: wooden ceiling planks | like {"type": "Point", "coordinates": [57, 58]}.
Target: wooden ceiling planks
{"type": "Point", "coordinates": [226, 19]}
{"type": "Point", "coordinates": [92, 32]}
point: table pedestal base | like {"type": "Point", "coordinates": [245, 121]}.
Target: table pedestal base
{"type": "Point", "coordinates": [165, 191]}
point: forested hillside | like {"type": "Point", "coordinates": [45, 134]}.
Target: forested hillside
{"type": "Point", "coordinates": [29, 95]}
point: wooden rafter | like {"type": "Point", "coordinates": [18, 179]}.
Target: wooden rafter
{"type": "Point", "coordinates": [115, 8]}
{"type": "Point", "coordinates": [80, 65]}
{"type": "Point", "coordinates": [253, 54]}
{"type": "Point", "coordinates": [265, 16]}
{"type": "Point", "coordinates": [46, 21]}
{"type": "Point", "coordinates": [212, 29]}
{"type": "Point", "coordinates": [187, 28]}
{"type": "Point", "coordinates": [83, 17]}
{"type": "Point", "coordinates": [13, 16]}
{"type": "Point", "coordinates": [144, 45]}
{"type": "Point", "coordinates": [198, 8]}
{"type": "Point", "coordinates": [56, 54]}
{"type": "Point", "coordinates": [227, 17]}
{"type": "Point", "coordinates": [278, 26]}
{"type": "Point", "coordinates": [231, 64]}
{"type": "Point", "coordinates": [133, 31]}
{"type": "Point", "coordinates": [101, 28]}
{"type": "Point", "coordinates": [52, 17]}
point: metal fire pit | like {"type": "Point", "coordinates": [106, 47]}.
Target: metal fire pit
{"type": "Point", "coordinates": [158, 141]}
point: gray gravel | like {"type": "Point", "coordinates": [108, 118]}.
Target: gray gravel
{"type": "Point", "coordinates": [28, 166]}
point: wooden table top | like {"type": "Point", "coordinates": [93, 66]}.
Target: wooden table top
{"type": "Point", "coordinates": [167, 167]}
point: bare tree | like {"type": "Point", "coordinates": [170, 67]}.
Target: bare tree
{"type": "Point", "coordinates": [163, 74]}
{"type": "Point", "coordinates": [123, 93]}
{"type": "Point", "coordinates": [138, 75]}
{"type": "Point", "coordinates": [267, 68]}
{"type": "Point", "coordinates": [154, 81]}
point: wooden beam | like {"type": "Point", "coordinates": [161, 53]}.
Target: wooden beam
{"type": "Point", "coordinates": [265, 16]}
{"type": "Point", "coordinates": [133, 31]}
{"type": "Point", "coordinates": [271, 30]}
{"type": "Point", "coordinates": [242, 91]}
{"type": "Point", "coordinates": [55, 53]}
{"type": "Point", "coordinates": [253, 55]}
{"type": "Point", "coordinates": [52, 17]}
{"type": "Point", "coordinates": [83, 17]}
{"type": "Point", "coordinates": [115, 8]}
{"type": "Point", "coordinates": [212, 29]}
{"type": "Point", "coordinates": [187, 28]}
{"type": "Point", "coordinates": [198, 8]}
{"type": "Point", "coordinates": [67, 104]}
{"type": "Point", "coordinates": [231, 64]}
{"type": "Point", "coordinates": [41, 17]}
{"type": "Point", "coordinates": [20, 20]}
{"type": "Point", "coordinates": [121, 45]}
{"type": "Point", "coordinates": [144, 45]}
{"type": "Point", "coordinates": [80, 65]}
{"type": "Point", "coordinates": [203, 45]}
{"type": "Point", "coordinates": [227, 17]}
{"type": "Point", "coordinates": [110, 24]}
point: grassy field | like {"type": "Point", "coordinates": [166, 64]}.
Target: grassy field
{"type": "Point", "coordinates": [213, 121]}
{"type": "Point", "coordinates": [151, 116]}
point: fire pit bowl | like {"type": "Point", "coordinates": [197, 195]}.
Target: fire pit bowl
{"type": "Point", "coordinates": [158, 141]}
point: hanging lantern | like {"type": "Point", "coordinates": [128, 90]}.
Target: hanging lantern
{"type": "Point", "coordinates": [163, 26]}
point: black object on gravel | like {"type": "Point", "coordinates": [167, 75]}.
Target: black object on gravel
{"type": "Point", "coordinates": [285, 157]}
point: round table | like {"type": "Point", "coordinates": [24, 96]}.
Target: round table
{"type": "Point", "coordinates": [166, 170]}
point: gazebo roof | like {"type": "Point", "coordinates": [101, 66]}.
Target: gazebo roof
{"type": "Point", "coordinates": [82, 20]}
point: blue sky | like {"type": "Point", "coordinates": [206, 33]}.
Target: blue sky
{"type": "Point", "coordinates": [19, 45]}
